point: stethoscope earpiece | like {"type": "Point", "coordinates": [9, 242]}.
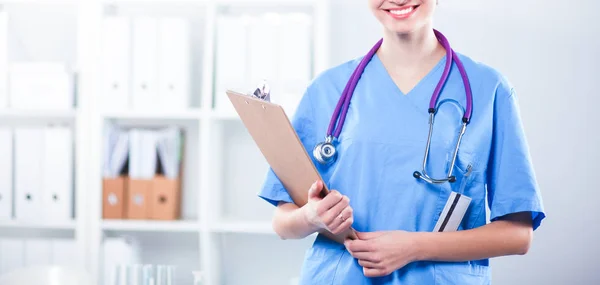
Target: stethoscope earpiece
{"type": "Point", "coordinates": [325, 152]}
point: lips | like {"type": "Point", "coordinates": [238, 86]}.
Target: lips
{"type": "Point", "coordinates": [402, 12]}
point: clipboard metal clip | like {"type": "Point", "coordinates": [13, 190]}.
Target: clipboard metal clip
{"type": "Point", "coordinates": [262, 91]}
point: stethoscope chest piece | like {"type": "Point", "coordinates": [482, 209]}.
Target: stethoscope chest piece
{"type": "Point", "coordinates": [325, 152]}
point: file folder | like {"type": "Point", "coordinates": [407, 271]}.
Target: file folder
{"type": "Point", "coordinates": [145, 63]}
{"type": "Point", "coordinates": [29, 151]}
{"type": "Point", "coordinates": [58, 175]}
{"type": "Point", "coordinates": [231, 58]}
{"type": "Point", "coordinates": [274, 135]}
{"type": "Point", "coordinates": [4, 60]}
{"type": "Point", "coordinates": [116, 63]}
{"type": "Point", "coordinates": [6, 174]}
{"type": "Point", "coordinates": [173, 64]}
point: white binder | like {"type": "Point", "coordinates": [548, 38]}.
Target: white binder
{"type": "Point", "coordinates": [37, 252]}
{"type": "Point", "coordinates": [28, 145]}
{"type": "Point", "coordinates": [40, 86]}
{"type": "Point", "coordinates": [12, 254]}
{"type": "Point", "coordinates": [116, 63]}
{"type": "Point", "coordinates": [58, 175]}
{"type": "Point", "coordinates": [231, 59]}
{"type": "Point", "coordinates": [294, 61]}
{"type": "Point", "coordinates": [145, 63]}
{"type": "Point", "coordinates": [6, 174]}
{"type": "Point", "coordinates": [263, 51]}
{"type": "Point", "coordinates": [173, 63]}
{"type": "Point", "coordinates": [4, 60]}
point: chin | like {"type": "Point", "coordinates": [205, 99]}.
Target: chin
{"type": "Point", "coordinates": [404, 19]}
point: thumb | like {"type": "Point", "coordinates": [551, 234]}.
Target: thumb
{"type": "Point", "coordinates": [315, 190]}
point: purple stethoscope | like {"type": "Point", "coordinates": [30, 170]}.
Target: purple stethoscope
{"type": "Point", "coordinates": [325, 152]}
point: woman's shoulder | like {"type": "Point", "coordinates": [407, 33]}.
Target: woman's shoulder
{"type": "Point", "coordinates": [334, 77]}
{"type": "Point", "coordinates": [486, 76]}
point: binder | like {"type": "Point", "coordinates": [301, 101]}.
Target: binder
{"type": "Point", "coordinates": [142, 168]}
{"type": "Point", "coordinates": [274, 135]}
{"type": "Point", "coordinates": [29, 151]}
{"type": "Point", "coordinates": [231, 58]}
{"type": "Point", "coordinates": [116, 63]}
{"type": "Point", "coordinates": [37, 252]}
{"type": "Point", "coordinates": [263, 51]}
{"type": "Point", "coordinates": [40, 86]}
{"type": "Point", "coordinates": [294, 61]}
{"type": "Point", "coordinates": [174, 64]}
{"type": "Point", "coordinates": [12, 254]}
{"type": "Point", "coordinates": [165, 198]}
{"type": "Point", "coordinates": [4, 104]}
{"type": "Point", "coordinates": [113, 197]}
{"type": "Point", "coordinates": [145, 63]}
{"type": "Point", "coordinates": [58, 174]}
{"type": "Point", "coordinates": [6, 174]}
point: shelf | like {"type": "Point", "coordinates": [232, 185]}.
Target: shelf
{"type": "Point", "coordinates": [150, 226]}
{"type": "Point", "coordinates": [243, 227]}
{"type": "Point", "coordinates": [68, 226]}
{"type": "Point", "coordinates": [189, 114]}
{"type": "Point", "coordinates": [11, 117]}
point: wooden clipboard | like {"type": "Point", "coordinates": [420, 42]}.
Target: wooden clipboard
{"type": "Point", "coordinates": [279, 143]}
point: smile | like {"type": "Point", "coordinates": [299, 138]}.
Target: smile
{"type": "Point", "coordinates": [402, 13]}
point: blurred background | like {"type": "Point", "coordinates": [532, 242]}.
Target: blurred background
{"type": "Point", "coordinates": [120, 154]}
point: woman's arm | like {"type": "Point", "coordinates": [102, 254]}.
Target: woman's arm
{"type": "Point", "coordinates": [289, 222]}
{"type": "Point", "coordinates": [380, 253]}
{"type": "Point", "coordinates": [332, 213]}
{"type": "Point", "coordinates": [509, 236]}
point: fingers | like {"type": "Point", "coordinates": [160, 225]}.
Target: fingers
{"type": "Point", "coordinates": [356, 246]}
{"type": "Point", "coordinates": [345, 225]}
{"type": "Point", "coordinates": [369, 264]}
{"type": "Point", "coordinates": [329, 201]}
{"type": "Point", "coordinates": [374, 272]}
{"type": "Point", "coordinates": [336, 215]}
{"type": "Point", "coordinates": [315, 190]}
{"type": "Point", "coordinates": [366, 256]}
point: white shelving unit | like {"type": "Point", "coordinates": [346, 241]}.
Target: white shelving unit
{"type": "Point", "coordinates": [225, 230]}
{"type": "Point", "coordinates": [23, 39]}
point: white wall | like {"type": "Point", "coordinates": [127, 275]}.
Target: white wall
{"type": "Point", "coordinates": [550, 51]}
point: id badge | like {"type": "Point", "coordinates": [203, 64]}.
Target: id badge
{"type": "Point", "coordinates": [453, 213]}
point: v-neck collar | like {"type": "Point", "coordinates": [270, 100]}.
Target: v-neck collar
{"type": "Point", "coordinates": [426, 85]}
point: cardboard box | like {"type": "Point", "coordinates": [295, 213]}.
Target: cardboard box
{"type": "Point", "coordinates": [165, 198]}
{"type": "Point", "coordinates": [113, 197]}
{"type": "Point", "coordinates": [138, 197]}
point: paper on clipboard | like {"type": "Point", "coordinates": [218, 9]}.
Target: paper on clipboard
{"type": "Point", "coordinates": [279, 143]}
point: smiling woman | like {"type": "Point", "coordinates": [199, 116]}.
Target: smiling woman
{"type": "Point", "coordinates": [412, 229]}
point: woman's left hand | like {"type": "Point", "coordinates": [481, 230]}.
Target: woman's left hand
{"type": "Point", "coordinates": [381, 253]}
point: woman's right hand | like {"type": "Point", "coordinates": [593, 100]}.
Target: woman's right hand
{"type": "Point", "coordinates": [332, 213]}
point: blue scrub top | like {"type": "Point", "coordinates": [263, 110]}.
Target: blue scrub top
{"type": "Point", "coordinates": [383, 142]}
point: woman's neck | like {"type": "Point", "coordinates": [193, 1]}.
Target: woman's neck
{"type": "Point", "coordinates": [410, 50]}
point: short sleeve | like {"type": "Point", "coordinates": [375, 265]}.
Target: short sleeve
{"type": "Point", "coordinates": [512, 185]}
{"type": "Point", "coordinates": [272, 189]}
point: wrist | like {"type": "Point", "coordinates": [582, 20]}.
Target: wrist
{"type": "Point", "coordinates": [307, 219]}
{"type": "Point", "coordinates": [422, 246]}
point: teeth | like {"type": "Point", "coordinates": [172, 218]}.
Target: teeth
{"type": "Point", "coordinates": [402, 12]}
